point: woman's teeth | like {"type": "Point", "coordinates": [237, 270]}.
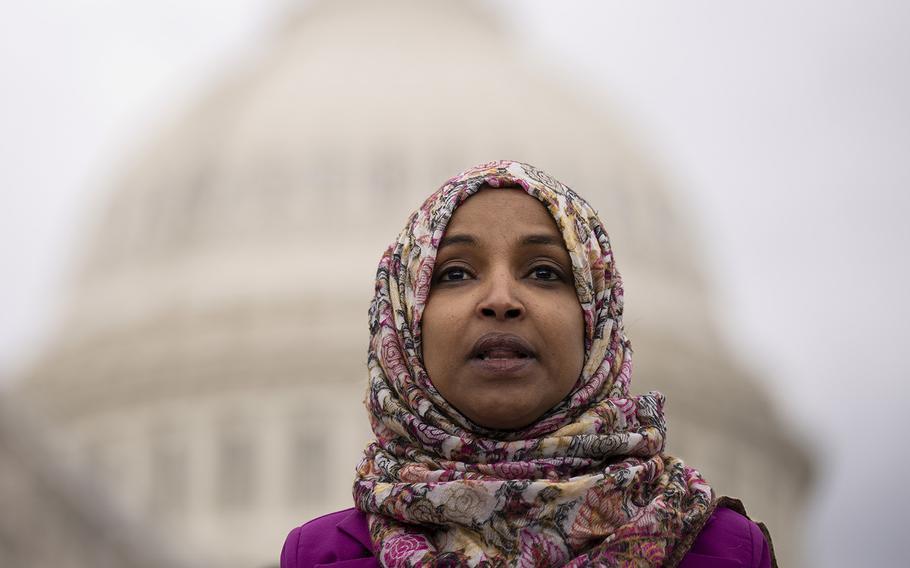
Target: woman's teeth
{"type": "Point", "coordinates": [502, 354]}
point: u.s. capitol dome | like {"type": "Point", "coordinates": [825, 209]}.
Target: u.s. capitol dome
{"type": "Point", "coordinates": [211, 365]}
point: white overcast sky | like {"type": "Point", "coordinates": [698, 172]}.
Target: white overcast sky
{"type": "Point", "coordinates": [786, 124]}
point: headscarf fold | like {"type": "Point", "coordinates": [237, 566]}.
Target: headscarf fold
{"type": "Point", "coordinates": [586, 484]}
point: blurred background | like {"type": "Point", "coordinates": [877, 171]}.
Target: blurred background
{"type": "Point", "coordinates": [195, 196]}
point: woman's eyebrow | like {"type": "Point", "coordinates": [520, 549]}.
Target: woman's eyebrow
{"type": "Point", "coordinates": [539, 239]}
{"type": "Point", "coordinates": [456, 239]}
{"type": "Point", "coordinates": [552, 240]}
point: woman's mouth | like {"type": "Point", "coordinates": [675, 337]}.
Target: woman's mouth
{"type": "Point", "coordinates": [501, 353]}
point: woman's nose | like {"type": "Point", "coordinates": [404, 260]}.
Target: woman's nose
{"type": "Point", "coordinates": [499, 300]}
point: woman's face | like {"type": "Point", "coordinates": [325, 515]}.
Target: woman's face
{"type": "Point", "coordinates": [503, 332]}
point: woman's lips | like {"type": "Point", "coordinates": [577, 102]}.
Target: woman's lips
{"type": "Point", "coordinates": [501, 353]}
{"type": "Point", "coordinates": [510, 366]}
{"type": "Point", "coordinates": [508, 345]}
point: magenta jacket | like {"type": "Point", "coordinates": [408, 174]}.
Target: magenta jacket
{"type": "Point", "coordinates": [342, 540]}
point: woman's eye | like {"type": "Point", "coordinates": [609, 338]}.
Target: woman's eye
{"type": "Point", "coordinates": [454, 274]}
{"type": "Point", "coordinates": [545, 273]}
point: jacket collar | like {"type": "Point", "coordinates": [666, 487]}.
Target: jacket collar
{"type": "Point", "coordinates": [354, 524]}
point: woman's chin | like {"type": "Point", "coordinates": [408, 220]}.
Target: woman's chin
{"type": "Point", "coordinates": [504, 417]}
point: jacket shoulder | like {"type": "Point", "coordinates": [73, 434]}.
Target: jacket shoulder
{"type": "Point", "coordinates": [732, 537]}
{"type": "Point", "coordinates": [340, 539]}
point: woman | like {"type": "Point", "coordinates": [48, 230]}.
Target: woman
{"type": "Point", "coordinates": [505, 434]}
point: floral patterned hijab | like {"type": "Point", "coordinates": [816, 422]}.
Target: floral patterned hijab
{"type": "Point", "coordinates": [587, 484]}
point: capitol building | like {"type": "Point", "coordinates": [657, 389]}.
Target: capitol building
{"type": "Point", "coordinates": [210, 368]}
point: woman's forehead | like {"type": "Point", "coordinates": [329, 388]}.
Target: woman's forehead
{"type": "Point", "coordinates": [502, 210]}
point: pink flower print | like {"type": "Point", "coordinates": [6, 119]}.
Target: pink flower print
{"type": "Point", "coordinates": [399, 550]}
{"type": "Point", "coordinates": [514, 470]}
{"type": "Point", "coordinates": [538, 550]}
{"type": "Point", "coordinates": [393, 359]}
{"type": "Point", "coordinates": [422, 282]}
